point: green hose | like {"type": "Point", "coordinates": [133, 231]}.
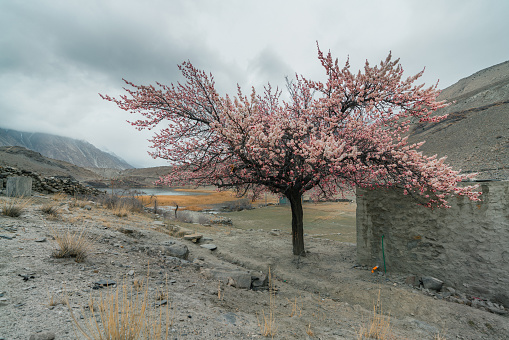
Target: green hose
{"type": "Point", "coordinates": [383, 253]}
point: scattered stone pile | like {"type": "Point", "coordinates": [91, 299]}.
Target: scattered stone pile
{"type": "Point", "coordinates": [48, 185]}
{"type": "Point", "coordinates": [434, 287]}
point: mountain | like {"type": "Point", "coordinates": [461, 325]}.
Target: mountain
{"type": "Point", "coordinates": [78, 152]}
{"type": "Point", "coordinates": [475, 135]}
{"type": "Point", "coordinates": [24, 159]}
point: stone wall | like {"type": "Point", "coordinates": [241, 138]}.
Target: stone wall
{"type": "Point", "coordinates": [466, 246]}
{"type": "Point", "coordinates": [47, 185]}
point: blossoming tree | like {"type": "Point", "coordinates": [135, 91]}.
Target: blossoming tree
{"type": "Point", "coordinates": [330, 136]}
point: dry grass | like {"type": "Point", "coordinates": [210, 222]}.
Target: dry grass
{"type": "Point", "coordinates": [199, 202]}
{"type": "Point", "coordinates": [309, 331]}
{"type": "Point", "coordinates": [57, 300]}
{"type": "Point", "coordinates": [267, 322]}
{"type": "Point", "coordinates": [220, 292]}
{"type": "Point", "coordinates": [124, 314]}
{"type": "Point", "coordinates": [120, 210]}
{"type": "Point", "coordinates": [121, 205]}
{"type": "Point", "coordinates": [72, 244]}
{"type": "Point", "coordinates": [50, 210]}
{"type": "Point", "coordinates": [14, 207]}
{"type": "Point", "coordinates": [59, 196]}
{"type": "Point", "coordinates": [76, 202]}
{"type": "Point", "coordinates": [296, 309]}
{"type": "Point", "coordinates": [379, 325]}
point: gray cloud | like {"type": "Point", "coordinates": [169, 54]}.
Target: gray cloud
{"type": "Point", "coordinates": [56, 55]}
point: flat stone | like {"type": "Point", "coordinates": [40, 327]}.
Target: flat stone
{"type": "Point", "coordinates": [176, 250]}
{"type": "Point", "coordinates": [41, 239]}
{"type": "Point", "coordinates": [230, 318]}
{"type": "Point", "coordinates": [42, 336]}
{"type": "Point", "coordinates": [432, 283]}
{"type": "Point", "coordinates": [161, 303]}
{"type": "Point", "coordinates": [451, 290]}
{"type": "Point", "coordinates": [209, 246]}
{"type": "Point", "coordinates": [258, 281]}
{"type": "Point", "coordinates": [193, 237]}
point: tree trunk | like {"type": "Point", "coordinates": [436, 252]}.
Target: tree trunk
{"type": "Point", "coordinates": [297, 224]}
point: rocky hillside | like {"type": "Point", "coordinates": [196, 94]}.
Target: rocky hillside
{"type": "Point", "coordinates": [24, 159]}
{"type": "Point", "coordinates": [475, 135]}
{"type": "Point", "coordinates": [66, 149]}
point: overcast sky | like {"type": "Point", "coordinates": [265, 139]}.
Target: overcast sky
{"type": "Point", "coordinates": [56, 56]}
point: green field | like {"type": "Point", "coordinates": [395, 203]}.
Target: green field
{"type": "Point", "coordinates": [335, 221]}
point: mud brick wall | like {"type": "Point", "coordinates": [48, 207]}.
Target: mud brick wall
{"type": "Point", "coordinates": [466, 246]}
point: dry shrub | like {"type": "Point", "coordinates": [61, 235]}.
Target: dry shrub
{"type": "Point", "coordinates": [121, 205]}
{"type": "Point", "coordinates": [238, 205]}
{"type": "Point", "coordinates": [267, 322]}
{"type": "Point", "coordinates": [58, 300]}
{"type": "Point", "coordinates": [296, 309]}
{"type": "Point", "coordinates": [379, 325]}
{"type": "Point", "coordinates": [14, 207]}
{"type": "Point", "coordinates": [72, 244]}
{"type": "Point", "coordinates": [124, 314]}
{"type": "Point", "coordinates": [185, 216]}
{"type": "Point", "coordinates": [120, 210]}
{"type": "Point", "coordinates": [51, 210]}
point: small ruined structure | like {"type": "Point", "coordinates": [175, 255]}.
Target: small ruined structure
{"type": "Point", "coordinates": [466, 246]}
{"type": "Point", "coordinates": [19, 183]}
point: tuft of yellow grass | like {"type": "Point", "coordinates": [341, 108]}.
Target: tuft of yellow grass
{"type": "Point", "coordinates": [220, 292]}
{"type": "Point", "coordinates": [124, 314]}
{"type": "Point", "coordinates": [379, 325]}
{"type": "Point", "coordinates": [267, 323]}
{"type": "Point", "coordinates": [59, 196]}
{"type": "Point", "coordinates": [296, 309]}
{"type": "Point", "coordinates": [72, 244]}
{"type": "Point", "coordinates": [76, 202]}
{"type": "Point", "coordinates": [13, 207]}
{"type": "Point", "coordinates": [309, 331]}
{"type": "Point", "coordinates": [50, 210]}
{"type": "Point", "coordinates": [54, 301]}
{"type": "Point", "coordinates": [120, 210]}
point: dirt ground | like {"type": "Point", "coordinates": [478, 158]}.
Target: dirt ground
{"type": "Point", "coordinates": [321, 296]}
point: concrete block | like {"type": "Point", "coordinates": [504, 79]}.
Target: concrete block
{"type": "Point", "coordinates": [19, 186]}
